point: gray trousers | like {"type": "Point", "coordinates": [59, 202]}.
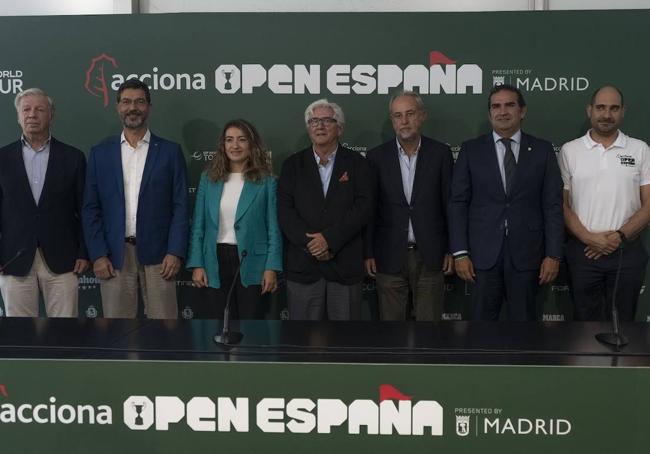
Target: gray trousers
{"type": "Point", "coordinates": [310, 301]}
{"type": "Point", "coordinates": [427, 286]}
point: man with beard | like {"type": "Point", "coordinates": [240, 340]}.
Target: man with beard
{"type": "Point", "coordinates": [407, 239]}
{"type": "Point", "coordinates": [135, 212]}
{"type": "Point", "coordinates": [324, 204]}
{"type": "Point", "coordinates": [505, 211]}
{"type": "Point", "coordinates": [41, 191]}
{"type": "Point", "coordinates": [606, 207]}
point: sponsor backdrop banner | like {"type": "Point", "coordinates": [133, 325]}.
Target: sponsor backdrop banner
{"type": "Point", "coordinates": [205, 69]}
{"type": "Point", "coordinates": [101, 406]}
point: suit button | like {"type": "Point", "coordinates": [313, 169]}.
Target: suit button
{"type": "Point", "coordinates": [507, 205]}
{"type": "Point", "coordinates": [236, 226]}
{"type": "Point", "coordinates": [410, 208]}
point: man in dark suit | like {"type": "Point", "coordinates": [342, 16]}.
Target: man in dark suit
{"type": "Point", "coordinates": [41, 191]}
{"type": "Point", "coordinates": [407, 239]}
{"type": "Point", "coordinates": [506, 227]}
{"type": "Point", "coordinates": [135, 212]}
{"type": "Point", "coordinates": [324, 204]}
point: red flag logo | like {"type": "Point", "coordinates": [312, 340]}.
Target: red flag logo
{"type": "Point", "coordinates": [438, 58]}
{"type": "Point", "coordinates": [389, 392]}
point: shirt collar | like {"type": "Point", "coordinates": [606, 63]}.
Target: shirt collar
{"type": "Point", "coordinates": [620, 142]}
{"type": "Point", "coordinates": [516, 137]}
{"type": "Point", "coordinates": [330, 158]}
{"type": "Point", "coordinates": [146, 138]}
{"type": "Point", "coordinates": [24, 141]}
{"type": "Point", "coordinates": [401, 151]}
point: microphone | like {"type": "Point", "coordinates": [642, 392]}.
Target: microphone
{"type": "Point", "coordinates": [228, 337]}
{"type": "Point", "coordinates": [12, 259]}
{"type": "Point", "coordinates": [615, 338]}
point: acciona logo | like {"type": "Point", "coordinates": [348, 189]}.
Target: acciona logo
{"type": "Point", "coordinates": [394, 413]}
{"type": "Point", "coordinates": [54, 412]}
{"type": "Point", "coordinates": [441, 75]}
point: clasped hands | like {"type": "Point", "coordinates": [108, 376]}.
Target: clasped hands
{"type": "Point", "coordinates": [318, 247]}
{"type": "Point", "coordinates": [602, 243]}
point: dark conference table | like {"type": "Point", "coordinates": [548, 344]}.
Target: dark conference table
{"type": "Point", "coordinates": [142, 386]}
{"type": "Point", "coordinates": [452, 342]}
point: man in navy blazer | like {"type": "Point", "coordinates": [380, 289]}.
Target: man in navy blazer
{"type": "Point", "coordinates": [406, 240]}
{"type": "Point", "coordinates": [506, 226]}
{"type": "Point", "coordinates": [41, 191]}
{"type": "Point", "coordinates": [135, 212]}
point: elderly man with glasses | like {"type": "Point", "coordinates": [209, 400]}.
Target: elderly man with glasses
{"type": "Point", "coordinates": [324, 205]}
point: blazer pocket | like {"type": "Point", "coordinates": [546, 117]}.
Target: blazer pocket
{"type": "Point", "coordinates": [260, 248]}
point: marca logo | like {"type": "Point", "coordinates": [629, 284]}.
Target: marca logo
{"type": "Point", "coordinates": [394, 413]}
{"type": "Point", "coordinates": [442, 75]}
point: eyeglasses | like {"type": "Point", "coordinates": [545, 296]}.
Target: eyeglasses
{"type": "Point", "coordinates": [137, 102]}
{"type": "Point", "coordinates": [315, 121]}
{"type": "Point", "coordinates": [408, 114]}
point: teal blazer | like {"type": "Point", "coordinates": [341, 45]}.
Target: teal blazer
{"type": "Point", "coordinates": [256, 230]}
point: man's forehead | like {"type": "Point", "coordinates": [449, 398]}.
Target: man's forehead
{"type": "Point", "coordinates": [404, 103]}
{"type": "Point", "coordinates": [34, 99]}
{"type": "Point", "coordinates": [607, 97]}
{"type": "Point", "coordinates": [323, 109]}
{"type": "Point", "coordinates": [504, 96]}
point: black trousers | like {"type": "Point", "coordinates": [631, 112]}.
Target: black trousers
{"type": "Point", "coordinates": [591, 282]}
{"type": "Point", "coordinates": [247, 302]}
{"type": "Point", "coordinates": [504, 281]}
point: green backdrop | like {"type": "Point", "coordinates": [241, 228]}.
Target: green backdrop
{"type": "Point", "coordinates": [199, 66]}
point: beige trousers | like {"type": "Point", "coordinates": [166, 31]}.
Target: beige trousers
{"type": "Point", "coordinates": [120, 294]}
{"type": "Point", "coordinates": [60, 291]}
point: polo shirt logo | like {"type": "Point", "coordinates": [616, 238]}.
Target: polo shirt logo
{"type": "Point", "coordinates": [626, 160]}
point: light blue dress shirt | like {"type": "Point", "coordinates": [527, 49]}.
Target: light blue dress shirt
{"type": "Point", "coordinates": [325, 171]}
{"type": "Point", "coordinates": [407, 166]}
{"type": "Point", "coordinates": [36, 165]}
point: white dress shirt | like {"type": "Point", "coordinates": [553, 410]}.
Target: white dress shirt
{"type": "Point", "coordinates": [133, 160]}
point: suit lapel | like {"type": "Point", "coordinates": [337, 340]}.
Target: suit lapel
{"type": "Point", "coordinates": [523, 162]}
{"type": "Point", "coordinates": [19, 164]}
{"type": "Point", "coordinates": [150, 163]}
{"type": "Point", "coordinates": [492, 162]}
{"type": "Point", "coordinates": [395, 172]}
{"type": "Point", "coordinates": [421, 165]}
{"type": "Point", "coordinates": [213, 199]}
{"type": "Point", "coordinates": [116, 161]}
{"type": "Point", "coordinates": [248, 193]}
{"type": "Point", "coordinates": [312, 175]}
{"type": "Point", "coordinates": [340, 167]}
{"type": "Point", "coordinates": [53, 169]}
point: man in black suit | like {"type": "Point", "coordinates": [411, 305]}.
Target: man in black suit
{"type": "Point", "coordinates": [41, 191]}
{"type": "Point", "coordinates": [506, 227]}
{"type": "Point", "coordinates": [324, 204]}
{"type": "Point", "coordinates": [407, 239]}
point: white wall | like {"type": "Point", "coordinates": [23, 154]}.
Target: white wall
{"type": "Point", "coordinates": [71, 7]}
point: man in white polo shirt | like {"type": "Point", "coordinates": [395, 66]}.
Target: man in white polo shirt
{"type": "Point", "coordinates": [606, 178]}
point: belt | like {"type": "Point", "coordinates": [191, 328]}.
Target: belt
{"type": "Point", "coordinates": [130, 240]}
{"type": "Point", "coordinates": [413, 246]}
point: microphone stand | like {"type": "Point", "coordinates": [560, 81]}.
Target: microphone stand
{"type": "Point", "coordinates": [12, 260]}
{"type": "Point", "coordinates": [228, 337]}
{"type": "Point", "coordinates": [615, 339]}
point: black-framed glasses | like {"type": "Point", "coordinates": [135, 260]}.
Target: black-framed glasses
{"type": "Point", "coordinates": [315, 121]}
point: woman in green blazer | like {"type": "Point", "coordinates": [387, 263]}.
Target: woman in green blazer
{"type": "Point", "coordinates": [235, 223]}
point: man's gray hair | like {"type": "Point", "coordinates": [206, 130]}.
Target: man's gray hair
{"type": "Point", "coordinates": [412, 94]}
{"type": "Point", "coordinates": [338, 112]}
{"type": "Point", "coordinates": [33, 92]}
